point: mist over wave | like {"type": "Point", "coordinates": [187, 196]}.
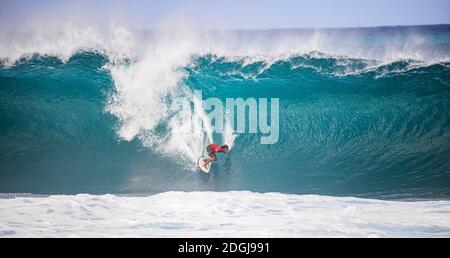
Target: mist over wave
{"type": "Point", "coordinates": [363, 111]}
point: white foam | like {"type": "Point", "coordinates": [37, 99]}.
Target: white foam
{"type": "Point", "coordinates": [214, 214]}
{"type": "Point", "coordinates": [144, 93]}
{"type": "Point", "coordinates": [117, 41]}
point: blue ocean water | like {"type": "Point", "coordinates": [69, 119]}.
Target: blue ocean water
{"type": "Point", "coordinates": [350, 125]}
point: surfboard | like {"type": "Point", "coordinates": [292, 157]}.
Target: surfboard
{"type": "Point", "coordinates": [204, 156]}
{"type": "Point", "coordinates": [201, 164]}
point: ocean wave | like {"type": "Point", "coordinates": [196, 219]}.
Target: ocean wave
{"type": "Point", "coordinates": [254, 67]}
{"type": "Point", "coordinates": [348, 124]}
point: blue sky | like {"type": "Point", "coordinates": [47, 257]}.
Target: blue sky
{"type": "Point", "coordinates": [235, 14]}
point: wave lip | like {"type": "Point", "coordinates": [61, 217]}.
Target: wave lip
{"type": "Point", "coordinates": [215, 214]}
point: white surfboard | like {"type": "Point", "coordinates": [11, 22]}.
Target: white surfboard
{"type": "Point", "coordinates": [202, 165]}
{"type": "Point", "coordinates": [204, 156]}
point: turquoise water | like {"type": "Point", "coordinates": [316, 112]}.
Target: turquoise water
{"type": "Point", "coordinates": [349, 126]}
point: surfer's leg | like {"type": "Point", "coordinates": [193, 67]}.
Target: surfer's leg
{"type": "Point", "coordinates": [211, 153]}
{"type": "Point", "coordinates": [212, 157]}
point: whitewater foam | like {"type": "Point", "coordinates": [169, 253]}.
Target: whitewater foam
{"type": "Point", "coordinates": [214, 214]}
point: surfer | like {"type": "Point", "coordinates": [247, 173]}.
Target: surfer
{"type": "Point", "coordinates": [213, 149]}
